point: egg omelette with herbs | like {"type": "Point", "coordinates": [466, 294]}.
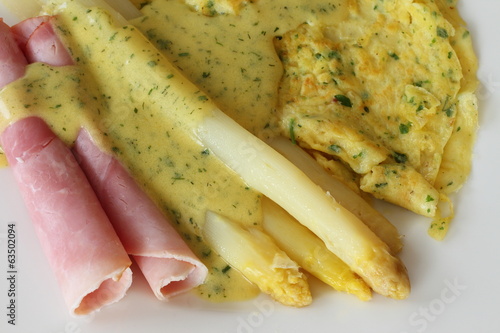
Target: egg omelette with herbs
{"type": "Point", "coordinates": [384, 94]}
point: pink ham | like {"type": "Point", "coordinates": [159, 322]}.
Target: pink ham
{"type": "Point", "coordinates": [12, 60]}
{"type": "Point", "coordinates": [167, 263]}
{"type": "Point", "coordinates": [86, 255]}
{"type": "Point", "coordinates": [22, 31]}
{"type": "Point", "coordinates": [38, 41]}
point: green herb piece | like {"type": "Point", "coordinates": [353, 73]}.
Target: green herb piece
{"type": "Point", "coordinates": [449, 111]}
{"type": "Point", "coordinates": [333, 55]}
{"type": "Point", "coordinates": [393, 56]}
{"type": "Point", "coordinates": [361, 153]}
{"type": "Point", "coordinates": [335, 148]}
{"type": "Point", "coordinates": [441, 32]}
{"type": "Point", "coordinates": [400, 157]}
{"type": "Point", "coordinates": [405, 128]}
{"type": "Point", "coordinates": [291, 130]}
{"type": "Point", "coordinates": [421, 83]}
{"type": "Point", "coordinates": [343, 100]}
{"type": "Point", "coordinates": [178, 176]}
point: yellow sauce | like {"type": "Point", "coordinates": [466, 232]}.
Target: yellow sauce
{"type": "Point", "coordinates": [232, 58]}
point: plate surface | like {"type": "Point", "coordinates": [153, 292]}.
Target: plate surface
{"type": "Point", "coordinates": [455, 282]}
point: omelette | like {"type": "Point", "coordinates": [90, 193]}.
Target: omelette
{"type": "Point", "coordinates": [385, 99]}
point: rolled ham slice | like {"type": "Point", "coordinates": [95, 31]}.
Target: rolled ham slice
{"type": "Point", "coordinates": [165, 260]}
{"type": "Point", "coordinates": [83, 250]}
{"type": "Point", "coordinates": [12, 60]}
{"type": "Point", "coordinates": [168, 264]}
{"type": "Point", "coordinates": [86, 255]}
{"type": "Point", "coordinates": [36, 38]}
{"type": "Point", "coordinates": [22, 31]}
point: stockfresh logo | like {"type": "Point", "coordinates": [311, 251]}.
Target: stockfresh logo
{"type": "Point", "coordinates": [255, 319]}
{"type": "Point", "coordinates": [420, 319]}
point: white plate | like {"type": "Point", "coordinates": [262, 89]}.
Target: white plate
{"type": "Point", "coordinates": [455, 282]}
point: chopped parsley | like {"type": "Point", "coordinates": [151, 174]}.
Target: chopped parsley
{"type": "Point", "coordinates": [291, 130]}
{"type": "Point", "coordinates": [400, 158]}
{"type": "Point", "coordinates": [335, 148]}
{"type": "Point", "coordinates": [343, 100]}
{"type": "Point", "coordinates": [393, 56]}
{"type": "Point", "coordinates": [441, 32]}
{"type": "Point", "coordinates": [333, 55]}
{"type": "Point", "coordinates": [405, 128]}
{"type": "Point", "coordinates": [361, 153]}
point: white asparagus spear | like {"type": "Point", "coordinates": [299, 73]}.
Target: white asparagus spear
{"type": "Point", "coordinates": [343, 194]}
{"type": "Point", "coordinates": [259, 259]}
{"type": "Point", "coordinates": [302, 246]}
{"type": "Point", "coordinates": [23, 9]}
{"type": "Point", "coordinates": [268, 172]}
